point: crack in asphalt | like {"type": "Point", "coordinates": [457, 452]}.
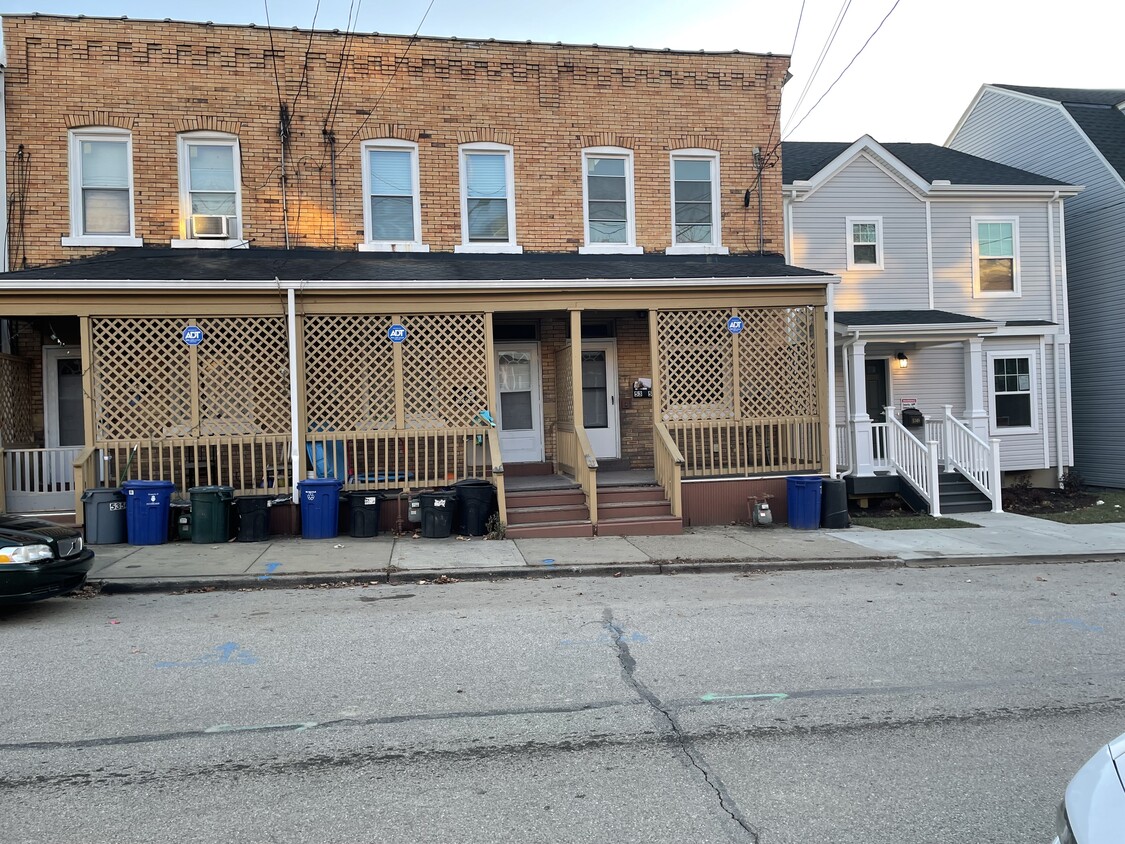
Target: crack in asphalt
{"type": "Point", "coordinates": [681, 738]}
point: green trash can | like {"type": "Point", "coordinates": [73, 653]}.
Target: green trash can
{"type": "Point", "coordinates": [210, 513]}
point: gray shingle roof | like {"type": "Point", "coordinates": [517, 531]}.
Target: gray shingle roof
{"type": "Point", "coordinates": [802, 160]}
{"type": "Point", "coordinates": [157, 264]}
{"type": "Point", "coordinates": [890, 318]}
{"type": "Point", "coordinates": [1096, 113]}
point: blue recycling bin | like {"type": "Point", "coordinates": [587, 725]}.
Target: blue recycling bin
{"type": "Point", "coordinates": [147, 509]}
{"type": "Point", "coordinates": [320, 507]}
{"type": "Point", "coordinates": [802, 496]}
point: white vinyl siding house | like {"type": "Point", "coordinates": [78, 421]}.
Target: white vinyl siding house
{"type": "Point", "coordinates": [1046, 130]}
{"type": "Point", "coordinates": [923, 301]}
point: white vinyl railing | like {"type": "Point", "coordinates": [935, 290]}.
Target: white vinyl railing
{"type": "Point", "coordinates": [914, 460]}
{"type": "Point", "coordinates": [977, 460]}
{"type": "Point", "coordinates": [39, 479]}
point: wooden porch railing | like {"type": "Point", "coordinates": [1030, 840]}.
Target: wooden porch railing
{"type": "Point", "coordinates": [748, 446]}
{"type": "Point", "coordinates": [914, 460]}
{"type": "Point", "coordinates": [669, 467]}
{"type": "Point", "coordinates": [576, 457]}
{"type": "Point", "coordinates": [977, 460]}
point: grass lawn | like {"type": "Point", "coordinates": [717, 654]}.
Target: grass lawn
{"type": "Point", "coordinates": [1112, 509]}
{"type": "Point", "coordinates": [909, 521]}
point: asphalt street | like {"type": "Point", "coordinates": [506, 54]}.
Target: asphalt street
{"type": "Point", "coordinates": [908, 705]}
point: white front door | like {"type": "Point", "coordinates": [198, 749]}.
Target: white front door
{"type": "Point", "coordinates": [599, 396]}
{"type": "Point", "coordinates": [519, 417]}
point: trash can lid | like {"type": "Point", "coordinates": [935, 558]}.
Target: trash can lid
{"type": "Point", "coordinates": [201, 490]}
{"type": "Point", "coordinates": [320, 482]}
{"type": "Point", "coordinates": [473, 482]}
{"type": "Point", "coordinates": [148, 485]}
{"type": "Point", "coordinates": [362, 493]}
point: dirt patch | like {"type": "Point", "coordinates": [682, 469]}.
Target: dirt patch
{"type": "Point", "coordinates": [1035, 501]}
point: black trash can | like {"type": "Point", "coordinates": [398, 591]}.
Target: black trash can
{"type": "Point", "coordinates": [834, 504]}
{"type": "Point", "coordinates": [439, 509]}
{"type": "Point", "coordinates": [363, 513]}
{"type": "Point", "coordinates": [104, 514]}
{"type": "Point", "coordinates": [253, 517]}
{"type": "Point", "coordinates": [476, 501]}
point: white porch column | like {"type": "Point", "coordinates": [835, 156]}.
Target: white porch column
{"type": "Point", "coordinates": [857, 413]}
{"type": "Point", "coordinates": [976, 413]}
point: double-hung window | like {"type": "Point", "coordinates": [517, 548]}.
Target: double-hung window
{"type": "Point", "coordinates": [488, 204]}
{"type": "Point", "coordinates": [210, 190]}
{"type": "Point", "coordinates": [392, 213]}
{"type": "Point", "coordinates": [607, 194]}
{"type": "Point", "coordinates": [695, 202]}
{"type": "Point", "coordinates": [865, 243]}
{"type": "Point", "coordinates": [996, 266]}
{"type": "Point", "coordinates": [1013, 391]}
{"type": "Point", "coordinates": [101, 188]}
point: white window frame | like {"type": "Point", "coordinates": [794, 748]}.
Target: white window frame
{"type": "Point", "coordinates": [989, 294]}
{"type": "Point", "coordinates": [850, 223]}
{"type": "Point", "coordinates": [511, 246]}
{"type": "Point", "coordinates": [994, 428]}
{"type": "Point", "coordinates": [183, 141]}
{"type": "Point", "coordinates": [715, 247]}
{"type": "Point", "coordinates": [76, 237]}
{"type": "Point", "coordinates": [370, 244]}
{"type": "Point", "coordinates": [629, 247]}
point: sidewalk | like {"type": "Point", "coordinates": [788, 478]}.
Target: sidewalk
{"type": "Point", "coordinates": [1002, 538]}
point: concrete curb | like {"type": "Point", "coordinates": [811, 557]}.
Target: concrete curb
{"type": "Point", "coordinates": [402, 577]}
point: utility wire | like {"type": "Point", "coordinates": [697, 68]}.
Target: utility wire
{"type": "Point", "coordinates": [338, 83]}
{"type": "Point", "coordinates": [847, 4]}
{"type": "Point", "coordinates": [770, 147]}
{"type": "Point", "coordinates": [305, 64]}
{"type": "Point", "coordinates": [849, 64]}
{"type": "Point", "coordinates": [273, 55]}
{"type": "Point", "coordinates": [398, 64]}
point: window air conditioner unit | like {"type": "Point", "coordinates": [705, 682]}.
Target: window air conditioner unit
{"type": "Point", "coordinates": [210, 225]}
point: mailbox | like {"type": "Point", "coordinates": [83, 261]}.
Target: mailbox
{"type": "Point", "coordinates": [912, 418]}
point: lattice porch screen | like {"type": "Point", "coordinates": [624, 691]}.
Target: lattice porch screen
{"type": "Point", "coordinates": [148, 383]}
{"type": "Point", "coordinates": [15, 402]}
{"type": "Point", "coordinates": [768, 370]}
{"type": "Point", "coordinates": [350, 372]}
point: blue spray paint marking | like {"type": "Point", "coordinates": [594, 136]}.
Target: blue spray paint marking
{"type": "Point", "coordinates": [606, 639]}
{"type": "Point", "coordinates": [270, 569]}
{"type": "Point", "coordinates": [229, 653]}
{"type": "Point", "coordinates": [711, 696]}
{"type": "Point", "coordinates": [548, 562]}
{"type": "Point", "coordinates": [1077, 623]}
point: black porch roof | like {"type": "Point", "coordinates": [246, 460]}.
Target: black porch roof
{"type": "Point", "coordinates": [161, 264]}
{"type": "Point", "coordinates": [890, 318]}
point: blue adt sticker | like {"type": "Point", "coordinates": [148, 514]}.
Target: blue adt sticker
{"type": "Point", "coordinates": [734, 325]}
{"type": "Point", "coordinates": [193, 335]}
{"type": "Point", "coordinates": [396, 333]}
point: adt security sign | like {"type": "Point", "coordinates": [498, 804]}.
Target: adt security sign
{"type": "Point", "coordinates": [734, 325]}
{"type": "Point", "coordinates": [193, 335]}
{"type": "Point", "coordinates": [396, 333]}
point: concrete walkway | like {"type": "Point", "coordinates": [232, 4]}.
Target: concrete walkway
{"type": "Point", "coordinates": [1001, 537]}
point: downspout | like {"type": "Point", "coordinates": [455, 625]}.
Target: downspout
{"type": "Point", "coordinates": [830, 331]}
{"type": "Point", "coordinates": [1064, 282]}
{"type": "Point", "coordinates": [930, 254]}
{"type": "Point", "coordinates": [295, 455]}
{"type": "Point", "coordinates": [1059, 468]}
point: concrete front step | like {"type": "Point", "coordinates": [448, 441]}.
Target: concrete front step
{"type": "Point", "coordinates": [641, 526]}
{"type": "Point", "coordinates": [550, 530]}
{"type": "Point", "coordinates": [548, 513]}
{"type": "Point", "coordinates": [630, 509]}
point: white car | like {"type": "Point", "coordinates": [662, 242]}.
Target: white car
{"type": "Point", "coordinates": [1093, 811]}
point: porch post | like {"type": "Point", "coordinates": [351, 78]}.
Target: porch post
{"type": "Point", "coordinates": [857, 413]}
{"type": "Point", "coordinates": [976, 414]}
{"type": "Point", "coordinates": [576, 366]}
{"type": "Point", "coordinates": [296, 437]}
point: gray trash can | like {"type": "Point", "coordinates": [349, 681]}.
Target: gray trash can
{"type": "Point", "coordinates": [104, 514]}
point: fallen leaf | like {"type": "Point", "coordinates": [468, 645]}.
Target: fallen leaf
{"type": "Point", "coordinates": [617, 574]}
{"type": "Point", "coordinates": [1041, 579]}
{"type": "Point", "coordinates": [114, 621]}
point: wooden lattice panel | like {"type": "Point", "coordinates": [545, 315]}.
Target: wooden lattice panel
{"type": "Point", "coordinates": [142, 378]}
{"type": "Point", "coordinates": [444, 370]}
{"type": "Point", "coordinates": [777, 362]}
{"type": "Point", "coordinates": [564, 389]}
{"type": "Point", "coordinates": [349, 373]}
{"type": "Point", "coordinates": [696, 364]}
{"type": "Point", "coordinates": [244, 376]}
{"type": "Point", "coordinates": [15, 402]}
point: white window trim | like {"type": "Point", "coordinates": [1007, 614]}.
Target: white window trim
{"type": "Point", "coordinates": [1015, 291]}
{"type": "Point", "coordinates": [370, 245]}
{"type": "Point", "coordinates": [511, 247]}
{"type": "Point", "coordinates": [715, 247]}
{"type": "Point", "coordinates": [849, 223]}
{"type": "Point", "coordinates": [216, 139]}
{"type": "Point", "coordinates": [994, 429]}
{"type": "Point", "coordinates": [76, 237]}
{"type": "Point", "coordinates": [629, 247]}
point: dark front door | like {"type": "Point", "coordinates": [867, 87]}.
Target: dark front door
{"type": "Point", "coordinates": [875, 377]}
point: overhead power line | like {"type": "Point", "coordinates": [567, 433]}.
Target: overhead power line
{"type": "Point", "coordinates": [828, 42]}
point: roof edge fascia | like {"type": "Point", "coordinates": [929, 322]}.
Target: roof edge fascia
{"type": "Point", "coordinates": [877, 154]}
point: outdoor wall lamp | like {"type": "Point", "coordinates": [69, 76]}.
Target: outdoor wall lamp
{"type": "Point", "coordinates": [902, 361]}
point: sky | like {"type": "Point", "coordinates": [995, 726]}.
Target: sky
{"type": "Point", "coordinates": [912, 81]}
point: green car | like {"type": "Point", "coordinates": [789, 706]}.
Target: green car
{"type": "Point", "coordinates": [39, 559]}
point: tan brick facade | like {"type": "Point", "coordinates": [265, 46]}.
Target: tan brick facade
{"type": "Point", "coordinates": [547, 102]}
